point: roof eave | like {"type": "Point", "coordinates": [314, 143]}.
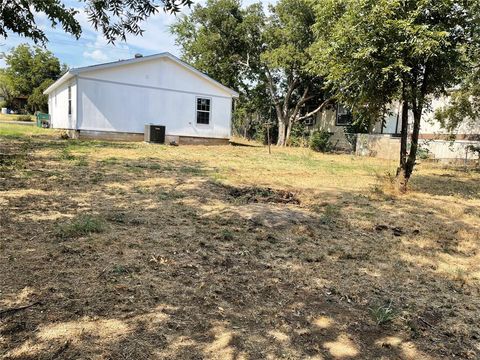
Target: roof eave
{"type": "Point", "coordinates": [68, 75]}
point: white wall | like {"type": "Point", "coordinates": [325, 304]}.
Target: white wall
{"type": "Point", "coordinates": [429, 125]}
{"type": "Point", "coordinates": [58, 106]}
{"type": "Point", "coordinates": [160, 91]}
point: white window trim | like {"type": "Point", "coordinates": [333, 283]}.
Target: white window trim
{"type": "Point", "coordinates": [210, 112]}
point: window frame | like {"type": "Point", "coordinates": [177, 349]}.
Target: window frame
{"type": "Point", "coordinates": [69, 99]}
{"type": "Point", "coordinates": [209, 112]}
{"type": "Point", "coordinates": [337, 117]}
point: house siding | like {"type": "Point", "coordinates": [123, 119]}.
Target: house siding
{"type": "Point", "coordinates": [160, 91]}
{"type": "Point", "coordinates": [58, 106]}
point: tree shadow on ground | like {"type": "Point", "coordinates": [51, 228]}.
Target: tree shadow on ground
{"type": "Point", "coordinates": [183, 272]}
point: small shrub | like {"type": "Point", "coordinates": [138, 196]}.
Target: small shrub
{"type": "Point", "coordinates": [320, 141]}
{"type": "Point", "coordinates": [24, 118]}
{"type": "Point", "coordinates": [66, 155]}
{"type": "Point", "coordinates": [227, 235]}
{"type": "Point", "coordinates": [383, 314]}
{"type": "Point", "coordinates": [81, 226]}
{"type": "Point", "coordinates": [120, 270]}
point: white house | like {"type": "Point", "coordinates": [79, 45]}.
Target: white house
{"type": "Point", "coordinates": [116, 100]}
{"type": "Point", "coordinates": [384, 140]}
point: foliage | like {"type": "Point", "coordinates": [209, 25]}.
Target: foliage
{"type": "Point", "coordinates": [224, 40]}
{"type": "Point", "coordinates": [115, 18]}
{"type": "Point", "coordinates": [464, 106]}
{"type": "Point", "coordinates": [25, 118]}
{"type": "Point", "coordinates": [263, 57]}
{"type": "Point", "coordinates": [38, 101]}
{"type": "Point", "coordinates": [320, 141]}
{"type": "Point", "coordinates": [296, 93]}
{"type": "Point", "coordinates": [7, 89]}
{"type": "Point", "coordinates": [28, 73]}
{"type": "Point", "coordinates": [375, 52]}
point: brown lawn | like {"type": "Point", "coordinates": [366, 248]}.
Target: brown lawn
{"type": "Point", "coordinates": [137, 251]}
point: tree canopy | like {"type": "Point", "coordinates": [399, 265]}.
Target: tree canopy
{"type": "Point", "coordinates": [114, 18]}
{"type": "Point", "coordinates": [263, 56]}
{"type": "Point", "coordinates": [374, 52]}
{"type": "Point", "coordinates": [27, 73]}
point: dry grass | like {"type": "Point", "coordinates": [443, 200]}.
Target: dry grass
{"type": "Point", "coordinates": [138, 251]}
{"type": "Point", "coordinates": [13, 117]}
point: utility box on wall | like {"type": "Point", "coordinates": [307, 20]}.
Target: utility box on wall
{"type": "Point", "coordinates": [155, 134]}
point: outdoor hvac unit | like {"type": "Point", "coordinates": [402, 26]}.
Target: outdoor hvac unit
{"type": "Point", "coordinates": [155, 134]}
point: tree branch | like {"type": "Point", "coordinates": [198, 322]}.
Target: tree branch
{"type": "Point", "coordinates": [322, 105]}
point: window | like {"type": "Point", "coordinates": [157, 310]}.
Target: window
{"type": "Point", "coordinates": [311, 120]}
{"type": "Point", "coordinates": [69, 100]}
{"type": "Point", "coordinates": [344, 116]}
{"type": "Point", "coordinates": [203, 111]}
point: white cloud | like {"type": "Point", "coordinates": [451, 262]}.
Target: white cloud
{"type": "Point", "coordinates": [96, 55]}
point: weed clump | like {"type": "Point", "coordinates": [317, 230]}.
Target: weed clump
{"type": "Point", "coordinates": [81, 226]}
{"type": "Point", "coordinates": [383, 314]}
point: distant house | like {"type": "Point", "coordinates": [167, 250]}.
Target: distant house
{"type": "Point", "coordinates": [116, 100]}
{"type": "Point", "coordinates": [384, 141]}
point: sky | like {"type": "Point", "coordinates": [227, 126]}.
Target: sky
{"type": "Point", "coordinates": [92, 48]}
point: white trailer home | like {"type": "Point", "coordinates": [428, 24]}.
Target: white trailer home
{"type": "Point", "coordinates": [116, 100]}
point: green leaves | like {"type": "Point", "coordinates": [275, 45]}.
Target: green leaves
{"type": "Point", "coordinates": [115, 18]}
{"type": "Point", "coordinates": [29, 71]}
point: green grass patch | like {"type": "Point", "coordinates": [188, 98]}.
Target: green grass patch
{"type": "Point", "coordinates": [81, 226]}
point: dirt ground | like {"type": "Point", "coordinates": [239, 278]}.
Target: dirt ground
{"type": "Point", "coordinates": [136, 251]}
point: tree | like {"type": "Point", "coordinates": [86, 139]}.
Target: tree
{"type": "Point", "coordinates": [27, 72]}
{"type": "Point", "coordinates": [115, 18]}
{"type": "Point", "coordinates": [288, 36]}
{"type": "Point", "coordinates": [464, 104]}
{"type": "Point", "coordinates": [259, 56]}
{"type": "Point", "coordinates": [7, 91]}
{"type": "Point", "coordinates": [224, 40]}
{"type": "Point", "coordinates": [38, 101]}
{"type": "Point", "coordinates": [375, 52]}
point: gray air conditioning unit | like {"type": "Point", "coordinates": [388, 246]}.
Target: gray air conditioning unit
{"type": "Point", "coordinates": [155, 134]}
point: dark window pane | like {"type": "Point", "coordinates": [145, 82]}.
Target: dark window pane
{"type": "Point", "coordinates": [203, 104]}
{"type": "Point", "coordinates": [203, 117]}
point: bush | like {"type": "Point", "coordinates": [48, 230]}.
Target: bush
{"type": "Point", "coordinates": [24, 118]}
{"type": "Point", "coordinates": [320, 141]}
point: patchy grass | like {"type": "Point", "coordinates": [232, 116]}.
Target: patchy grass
{"type": "Point", "coordinates": [81, 226]}
{"type": "Point", "coordinates": [227, 252]}
{"type": "Point", "coordinates": [15, 117]}
{"type": "Point", "coordinates": [383, 314]}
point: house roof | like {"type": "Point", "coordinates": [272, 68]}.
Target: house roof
{"type": "Point", "coordinates": [76, 71]}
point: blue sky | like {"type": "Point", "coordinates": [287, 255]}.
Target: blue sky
{"type": "Point", "coordinates": [92, 48]}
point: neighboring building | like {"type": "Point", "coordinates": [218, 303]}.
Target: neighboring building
{"type": "Point", "coordinates": [384, 141]}
{"type": "Point", "coordinates": [116, 100]}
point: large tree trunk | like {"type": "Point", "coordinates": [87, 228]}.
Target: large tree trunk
{"type": "Point", "coordinates": [401, 171]}
{"type": "Point", "coordinates": [412, 155]}
{"type": "Point", "coordinates": [281, 133]}
{"type": "Point", "coordinates": [288, 132]}
{"type": "Point", "coordinates": [417, 101]}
